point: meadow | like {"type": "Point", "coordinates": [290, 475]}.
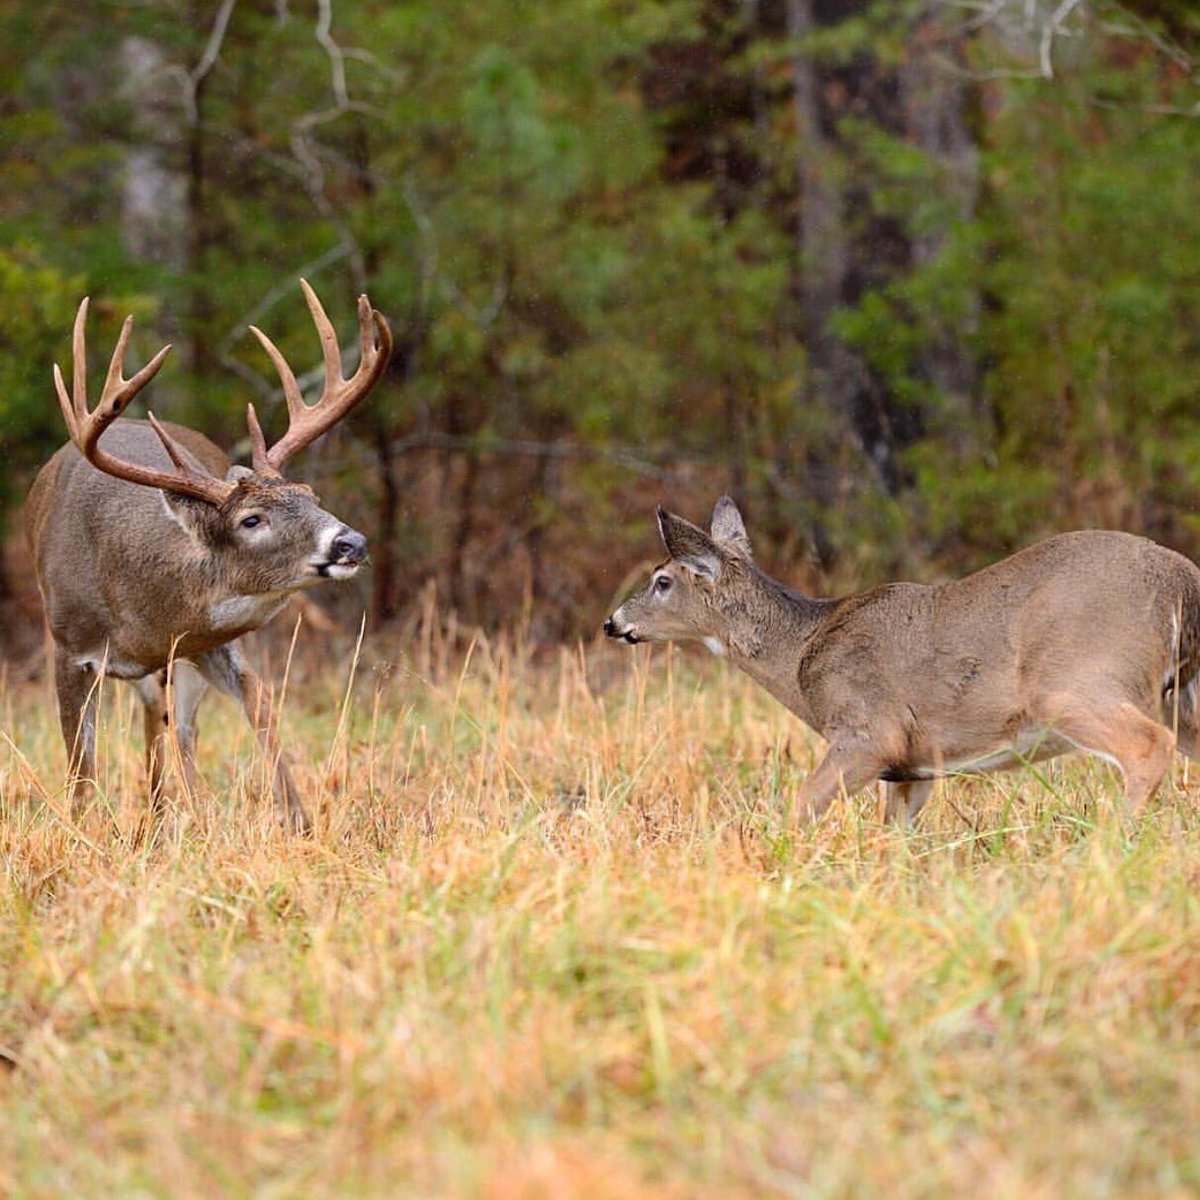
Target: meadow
{"type": "Point", "coordinates": [551, 938]}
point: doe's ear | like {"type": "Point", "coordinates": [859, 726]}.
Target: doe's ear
{"type": "Point", "coordinates": [729, 529]}
{"type": "Point", "coordinates": [237, 473]}
{"type": "Point", "coordinates": [688, 545]}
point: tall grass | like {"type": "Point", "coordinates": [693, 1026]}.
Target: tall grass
{"type": "Point", "coordinates": [551, 939]}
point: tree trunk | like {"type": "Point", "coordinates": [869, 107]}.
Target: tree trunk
{"type": "Point", "coordinates": [937, 107]}
{"type": "Point", "coordinates": [383, 593]}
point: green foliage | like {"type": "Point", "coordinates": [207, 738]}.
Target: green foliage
{"type": "Point", "coordinates": [37, 304]}
{"type": "Point", "coordinates": [583, 219]}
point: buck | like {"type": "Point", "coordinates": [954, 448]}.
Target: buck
{"type": "Point", "coordinates": [153, 552]}
{"type": "Point", "coordinates": [1087, 641]}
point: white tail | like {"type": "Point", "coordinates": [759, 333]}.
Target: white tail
{"type": "Point", "coordinates": [1087, 641]}
{"type": "Point", "coordinates": [150, 547]}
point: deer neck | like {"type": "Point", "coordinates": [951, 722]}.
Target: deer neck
{"type": "Point", "coordinates": [764, 628]}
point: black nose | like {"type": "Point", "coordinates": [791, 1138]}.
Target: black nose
{"type": "Point", "coordinates": [610, 630]}
{"type": "Point", "coordinates": [349, 546]}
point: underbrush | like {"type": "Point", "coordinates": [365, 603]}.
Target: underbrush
{"type": "Point", "coordinates": [551, 937]}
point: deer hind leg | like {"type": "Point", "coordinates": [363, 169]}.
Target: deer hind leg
{"type": "Point", "coordinates": [902, 801]}
{"type": "Point", "coordinates": [188, 688]}
{"type": "Point", "coordinates": [227, 670]}
{"type": "Point", "coordinates": [170, 703]}
{"type": "Point", "coordinates": [1181, 716]}
{"type": "Point", "coordinates": [1121, 732]}
{"type": "Point", "coordinates": [78, 690]}
{"type": "Point", "coordinates": [156, 723]}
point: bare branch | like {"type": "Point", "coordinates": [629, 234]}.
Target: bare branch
{"type": "Point", "coordinates": [1051, 30]}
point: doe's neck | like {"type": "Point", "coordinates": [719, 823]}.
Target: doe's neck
{"type": "Point", "coordinates": [764, 625]}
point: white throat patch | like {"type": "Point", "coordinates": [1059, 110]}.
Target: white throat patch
{"type": "Point", "coordinates": [715, 645]}
{"type": "Point", "coordinates": [239, 612]}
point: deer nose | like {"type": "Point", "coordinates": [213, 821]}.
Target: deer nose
{"type": "Point", "coordinates": [610, 628]}
{"type": "Point", "coordinates": [349, 546]}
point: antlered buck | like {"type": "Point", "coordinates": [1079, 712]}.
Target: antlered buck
{"type": "Point", "coordinates": [1087, 641]}
{"type": "Point", "coordinates": [151, 549]}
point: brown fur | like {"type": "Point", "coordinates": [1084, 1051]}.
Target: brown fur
{"type": "Point", "coordinates": [133, 578]}
{"type": "Point", "coordinates": [1086, 641]}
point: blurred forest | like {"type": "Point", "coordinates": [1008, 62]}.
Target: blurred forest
{"type": "Point", "coordinates": [918, 282]}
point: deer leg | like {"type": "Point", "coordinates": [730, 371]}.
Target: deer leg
{"type": "Point", "coordinates": [188, 688]}
{"type": "Point", "coordinates": [156, 724]}
{"type": "Point", "coordinates": [1183, 716]}
{"type": "Point", "coordinates": [78, 689]}
{"type": "Point", "coordinates": [227, 670]}
{"type": "Point", "coordinates": [841, 770]}
{"type": "Point", "coordinates": [1122, 733]}
{"type": "Point", "coordinates": [904, 800]}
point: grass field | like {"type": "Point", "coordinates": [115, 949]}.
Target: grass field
{"type": "Point", "coordinates": [551, 940]}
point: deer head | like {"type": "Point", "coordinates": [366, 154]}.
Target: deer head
{"type": "Point", "coordinates": [692, 594]}
{"type": "Point", "coordinates": [263, 534]}
{"type": "Point", "coordinates": [150, 547]}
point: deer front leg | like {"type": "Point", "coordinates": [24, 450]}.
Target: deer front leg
{"type": "Point", "coordinates": [77, 687]}
{"type": "Point", "coordinates": [905, 800]}
{"type": "Point", "coordinates": [843, 769]}
{"type": "Point", "coordinates": [227, 670]}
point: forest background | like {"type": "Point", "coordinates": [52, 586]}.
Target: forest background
{"type": "Point", "coordinates": [918, 282]}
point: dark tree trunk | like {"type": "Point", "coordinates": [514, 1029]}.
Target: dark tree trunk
{"type": "Point", "coordinates": [383, 594]}
{"type": "Point", "coordinates": [938, 113]}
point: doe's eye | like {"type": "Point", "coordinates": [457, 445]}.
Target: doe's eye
{"type": "Point", "coordinates": [251, 521]}
{"type": "Point", "coordinates": [662, 583]}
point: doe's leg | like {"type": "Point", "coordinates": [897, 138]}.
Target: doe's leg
{"type": "Point", "coordinates": [227, 670]}
{"type": "Point", "coordinates": [1120, 731]}
{"type": "Point", "coordinates": [841, 770]}
{"type": "Point", "coordinates": [904, 800]}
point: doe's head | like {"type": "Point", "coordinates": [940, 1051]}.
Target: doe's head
{"type": "Point", "coordinates": [688, 596]}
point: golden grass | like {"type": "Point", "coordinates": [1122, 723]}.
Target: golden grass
{"type": "Point", "coordinates": [551, 940]}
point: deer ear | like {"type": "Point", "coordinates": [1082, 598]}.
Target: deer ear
{"type": "Point", "coordinates": [194, 517]}
{"type": "Point", "coordinates": [728, 528]}
{"type": "Point", "coordinates": [688, 545]}
{"type": "Point", "coordinates": [237, 473]}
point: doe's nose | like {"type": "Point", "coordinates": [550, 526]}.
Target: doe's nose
{"type": "Point", "coordinates": [349, 546]}
{"type": "Point", "coordinates": [610, 628]}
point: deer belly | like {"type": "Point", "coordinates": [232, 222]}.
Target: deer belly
{"type": "Point", "coordinates": [1032, 744]}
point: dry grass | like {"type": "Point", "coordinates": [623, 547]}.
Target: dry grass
{"type": "Point", "coordinates": [551, 940]}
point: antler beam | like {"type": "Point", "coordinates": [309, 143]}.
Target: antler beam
{"type": "Point", "coordinates": [86, 427]}
{"type": "Point", "coordinates": [306, 422]}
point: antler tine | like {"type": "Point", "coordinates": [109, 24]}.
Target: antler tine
{"type": "Point", "coordinates": [306, 422]}
{"type": "Point", "coordinates": [331, 351]}
{"type": "Point", "coordinates": [79, 361]}
{"type": "Point", "coordinates": [86, 428]}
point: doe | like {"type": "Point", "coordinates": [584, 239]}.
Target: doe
{"type": "Point", "coordinates": [151, 549]}
{"type": "Point", "coordinates": [1087, 641]}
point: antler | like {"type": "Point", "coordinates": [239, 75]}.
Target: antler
{"type": "Point", "coordinates": [306, 422]}
{"type": "Point", "coordinates": [86, 427]}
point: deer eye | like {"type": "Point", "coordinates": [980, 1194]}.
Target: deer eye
{"type": "Point", "coordinates": [251, 521]}
{"type": "Point", "coordinates": [662, 583]}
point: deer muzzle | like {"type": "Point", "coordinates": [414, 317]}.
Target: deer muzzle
{"type": "Point", "coordinates": [345, 552]}
{"type": "Point", "coordinates": [613, 630]}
